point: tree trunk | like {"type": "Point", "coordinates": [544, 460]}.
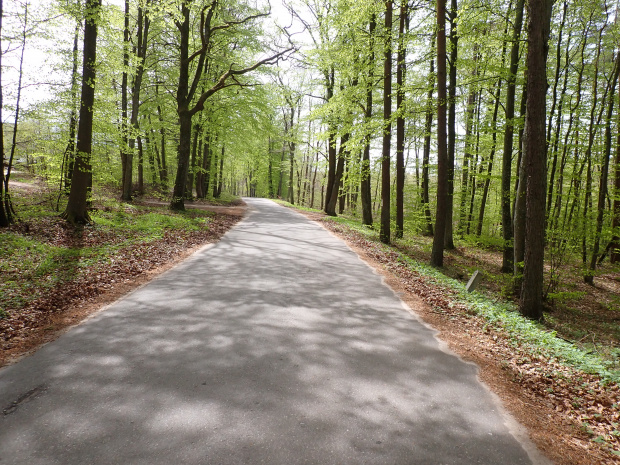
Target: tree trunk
{"type": "Point", "coordinates": [520, 210]}
{"type": "Point", "coordinates": [4, 216]}
{"type": "Point", "coordinates": [69, 155]}
{"type": "Point", "coordinates": [220, 183]}
{"type": "Point", "coordinates": [454, 39]}
{"type": "Point", "coordinates": [507, 227]}
{"type": "Point", "coordinates": [7, 196]}
{"type": "Point", "coordinates": [365, 185]}
{"type": "Point", "coordinates": [400, 119]}
{"type": "Point", "coordinates": [331, 145]}
{"type": "Point", "coordinates": [77, 206]}
{"type": "Point", "coordinates": [183, 99]}
{"type": "Point", "coordinates": [384, 232]}
{"type": "Point", "coordinates": [140, 167]}
{"type": "Point", "coordinates": [126, 153]}
{"type": "Point", "coordinates": [531, 304]}
{"type": "Point", "coordinates": [442, 149]}
{"type": "Point", "coordinates": [189, 191]}
{"type": "Point", "coordinates": [333, 195]}
{"type": "Point", "coordinates": [428, 125]}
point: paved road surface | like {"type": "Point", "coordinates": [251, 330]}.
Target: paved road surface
{"type": "Point", "coordinates": [276, 346]}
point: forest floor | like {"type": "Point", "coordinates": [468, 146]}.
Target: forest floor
{"type": "Point", "coordinates": [571, 416]}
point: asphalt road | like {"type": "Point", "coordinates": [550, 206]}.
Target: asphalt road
{"type": "Point", "coordinates": [277, 345]}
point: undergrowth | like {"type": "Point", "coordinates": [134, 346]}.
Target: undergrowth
{"type": "Point", "coordinates": [42, 251]}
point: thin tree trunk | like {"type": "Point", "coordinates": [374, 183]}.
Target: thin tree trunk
{"type": "Point", "coordinates": [69, 155]}
{"type": "Point", "coordinates": [507, 226]}
{"type": "Point", "coordinates": [454, 38]}
{"type": "Point", "coordinates": [400, 119]}
{"type": "Point", "coordinates": [365, 184]}
{"type": "Point", "coordinates": [8, 206]}
{"type": "Point", "coordinates": [126, 153]}
{"type": "Point", "coordinates": [428, 124]}
{"type": "Point", "coordinates": [220, 184]}
{"type": "Point", "coordinates": [5, 218]}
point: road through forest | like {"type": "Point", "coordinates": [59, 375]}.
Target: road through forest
{"type": "Point", "coordinates": [277, 345]}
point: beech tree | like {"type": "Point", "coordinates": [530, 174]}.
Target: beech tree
{"type": "Point", "coordinates": [442, 149]}
{"type": "Point", "coordinates": [539, 19]}
{"type": "Point", "coordinates": [81, 179]}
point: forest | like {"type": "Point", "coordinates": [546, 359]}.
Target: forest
{"type": "Point", "coordinates": [504, 117]}
{"type": "Point", "coordinates": [468, 134]}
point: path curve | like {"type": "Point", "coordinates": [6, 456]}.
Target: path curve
{"type": "Point", "coordinates": [277, 345]}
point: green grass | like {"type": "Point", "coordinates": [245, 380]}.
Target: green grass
{"type": "Point", "coordinates": [31, 265]}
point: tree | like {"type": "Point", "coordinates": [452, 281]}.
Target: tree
{"type": "Point", "coordinates": [508, 251]}
{"type": "Point", "coordinates": [384, 233]}
{"type": "Point", "coordinates": [77, 206]}
{"type": "Point", "coordinates": [400, 119]}
{"type": "Point", "coordinates": [535, 156]}
{"type": "Point", "coordinates": [5, 216]}
{"type": "Point", "coordinates": [442, 149]}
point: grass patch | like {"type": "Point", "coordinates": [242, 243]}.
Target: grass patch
{"type": "Point", "coordinates": [42, 251]}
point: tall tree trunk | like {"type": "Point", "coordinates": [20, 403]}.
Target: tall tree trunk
{"type": "Point", "coordinates": [487, 178]}
{"type": "Point", "coordinates": [384, 232]}
{"type": "Point", "coordinates": [291, 174]}
{"type": "Point", "coordinates": [468, 152]}
{"type": "Point", "coordinates": [141, 46]}
{"type": "Point", "coordinates": [4, 216]}
{"type": "Point", "coordinates": [69, 154]}
{"type": "Point", "coordinates": [400, 119]}
{"type": "Point", "coordinates": [594, 124]}
{"type": "Point", "coordinates": [615, 241]}
{"type": "Point", "coordinates": [365, 185]}
{"type": "Point", "coordinates": [7, 196]}
{"type": "Point", "coordinates": [519, 214]}
{"type": "Point", "coordinates": [183, 99]}
{"type": "Point", "coordinates": [507, 227]}
{"type": "Point", "coordinates": [331, 144]}
{"type": "Point", "coordinates": [77, 206]}
{"type": "Point", "coordinates": [539, 24]}
{"type": "Point", "coordinates": [554, 103]}
{"type": "Point", "coordinates": [126, 153]}
{"type": "Point", "coordinates": [454, 39]}
{"type": "Point", "coordinates": [428, 125]}
{"type": "Point", "coordinates": [442, 149]}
